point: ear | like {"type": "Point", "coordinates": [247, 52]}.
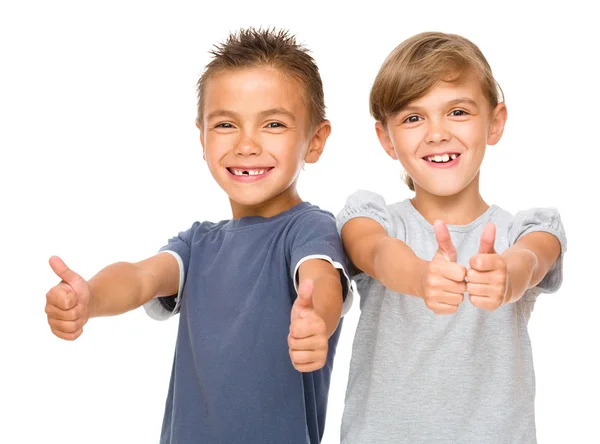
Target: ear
{"type": "Point", "coordinates": [497, 122]}
{"type": "Point", "coordinates": [317, 142]}
{"type": "Point", "coordinates": [385, 140]}
{"type": "Point", "coordinates": [199, 126]}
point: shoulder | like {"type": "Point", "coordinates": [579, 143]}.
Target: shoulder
{"type": "Point", "coordinates": [371, 205]}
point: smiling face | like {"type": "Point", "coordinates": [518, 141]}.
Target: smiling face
{"type": "Point", "coordinates": [441, 138]}
{"type": "Point", "coordinates": [256, 138]}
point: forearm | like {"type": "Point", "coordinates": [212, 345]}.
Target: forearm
{"type": "Point", "coordinates": [528, 261]}
{"type": "Point", "coordinates": [327, 300]}
{"type": "Point", "coordinates": [397, 267]}
{"type": "Point", "coordinates": [522, 271]}
{"type": "Point", "coordinates": [119, 288]}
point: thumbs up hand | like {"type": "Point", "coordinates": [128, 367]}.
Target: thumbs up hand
{"type": "Point", "coordinates": [308, 341]}
{"type": "Point", "coordinates": [67, 303]}
{"type": "Point", "coordinates": [444, 282]}
{"type": "Point", "coordinates": [487, 280]}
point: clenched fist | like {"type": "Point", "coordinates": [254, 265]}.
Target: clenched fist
{"type": "Point", "coordinates": [444, 283]}
{"type": "Point", "coordinates": [488, 277]}
{"type": "Point", "coordinates": [67, 303]}
{"type": "Point", "coordinates": [308, 341]}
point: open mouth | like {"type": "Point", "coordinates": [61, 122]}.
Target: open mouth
{"type": "Point", "coordinates": [236, 171]}
{"type": "Point", "coordinates": [442, 158]}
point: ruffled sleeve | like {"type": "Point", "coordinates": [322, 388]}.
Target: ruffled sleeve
{"type": "Point", "coordinates": [546, 220]}
{"type": "Point", "coordinates": [366, 204]}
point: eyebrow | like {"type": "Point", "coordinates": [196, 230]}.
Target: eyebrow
{"type": "Point", "coordinates": [262, 114]}
{"type": "Point", "coordinates": [221, 113]}
{"type": "Point", "coordinates": [274, 111]}
{"type": "Point", "coordinates": [463, 100]}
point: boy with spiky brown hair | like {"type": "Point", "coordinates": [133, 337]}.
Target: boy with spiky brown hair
{"type": "Point", "coordinates": [260, 296]}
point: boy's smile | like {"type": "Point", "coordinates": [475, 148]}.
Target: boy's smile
{"type": "Point", "coordinates": [256, 138]}
{"type": "Point", "coordinates": [249, 174]}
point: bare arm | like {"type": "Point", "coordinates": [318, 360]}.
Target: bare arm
{"type": "Point", "coordinates": [327, 291]}
{"type": "Point", "coordinates": [389, 260]}
{"type": "Point", "coordinates": [116, 289]}
{"type": "Point", "coordinates": [124, 286]}
{"type": "Point", "coordinates": [528, 261]}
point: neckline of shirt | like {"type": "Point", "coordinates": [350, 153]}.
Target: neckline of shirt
{"type": "Point", "coordinates": [456, 228]}
{"type": "Point", "coordinates": [252, 221]}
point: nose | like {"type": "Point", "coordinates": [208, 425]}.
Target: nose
{"type": "Point", "coordinates": [247, 145]}
{"type": "Point", "coordinates": [437, 131]}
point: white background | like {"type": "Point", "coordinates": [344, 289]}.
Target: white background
{"type": "Point", "coordinates": [100, 162]}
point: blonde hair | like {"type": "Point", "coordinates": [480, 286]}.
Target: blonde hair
{"type": "Point", "coordinates": [420, 62]}
{"type": "Point", "coordinates": [252, 48]}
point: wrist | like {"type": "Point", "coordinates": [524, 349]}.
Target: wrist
{"type": "Point", "coordinates": [421, 268]}
{"type": "Point", "coordinates": [520, 268]}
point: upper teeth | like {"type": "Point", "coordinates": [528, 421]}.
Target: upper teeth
{"type": "Point", "coordinates": [241, 172]}
{"type": "Point", "coordinates": [442, 158]}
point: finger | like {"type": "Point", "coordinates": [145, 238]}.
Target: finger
{"type": "Point", "coordinates": [453, 271]}
{"type": "Point", "coordinates": [488, 238]}
{"type": "Point", "coordinates": [450, 298]}
{"type": "Point", "coordinates": [66, 326]}
{"type": "Point", "coordinates": [442, 235]}
{"type": "Point", "coordinates": [311, 343]}
{"type": "Point", "coordinates": [483, 290]}
{"type": "Point", "coordinates": [68, 336]}
{"type": "Point", "coordinates": [443, 309]}
{"type": "Point", "coordinates": [486, 262]}
{"type": "Point", "coordinates": [305, 357]}
{"type": "Point", "coordinates": [484, 302]}
{"type": "Point", "coordinates": [62, 296]}
{"type": "Point", "coordinates": [486, 277]}
{"type": "Point", "coordinates": [306, 368]}
{"type": "Point", "coordinates": [303, 303]}
{"type": "Point", "coordinates": [65, 315]}
{"type": "Point", "coordinates": [64, 272]}
{"type": "Point", "coordinates": [307, 328]}
{"type": "Point", "coordinates": [305, 290]}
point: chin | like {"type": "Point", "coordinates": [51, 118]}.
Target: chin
{"type": "Point", "coordinates": [443, 190]}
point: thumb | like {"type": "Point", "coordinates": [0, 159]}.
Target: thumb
{"type": "Point", "coordinates": [64, 272]}
{"type": "Point", "coordinates": [488, 238]}
{"type": "Point", "coordinates": [444, 241]}
{"type": "Point", "coordinates": [303, 302]}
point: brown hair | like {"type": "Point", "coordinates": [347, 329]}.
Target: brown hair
{"type": "Point", "coordinates": [252, 48]}
{"type": "Point", "coordinates": [420, 62]}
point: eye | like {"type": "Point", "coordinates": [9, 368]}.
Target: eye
{"type": "Point", "coordinates": [225, 125]}
{"type": "Point", "coordinates": [275, 125]}
{"type": "Point", "coordinates": [412, 119]}
{"type": "Point", "coordinates": [458, 113]}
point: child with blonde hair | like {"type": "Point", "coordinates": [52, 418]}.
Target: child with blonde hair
{"type": "Point", "coordinates": [447, 281]}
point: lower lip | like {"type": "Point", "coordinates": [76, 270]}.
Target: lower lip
{"type": "Point", "coordinates": [249, 178]}
{"type": "Point", "coordinates": [448, 164]}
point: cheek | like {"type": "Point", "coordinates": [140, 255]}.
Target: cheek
{"type": "Point", "coordinates": [472, 135]}
{"type": "Point", "coordinates": [406, 144]}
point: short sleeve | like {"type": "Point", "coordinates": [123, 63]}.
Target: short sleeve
{"type": "Point", "coordinates": [546, 220]}
{"type": "Point", "coordinates": [314, 236]}
{"type": "Point", "coordinates": [163, 308]}
{"type": "Point", "coordinates": [366, 204]}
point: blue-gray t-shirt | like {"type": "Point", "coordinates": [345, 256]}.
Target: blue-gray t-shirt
{"type": "Point", "coordinates": [232, 378]}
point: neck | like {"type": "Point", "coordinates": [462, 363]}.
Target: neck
{"type": "Point", "coordinates": [459, 209]}
{"type": "Point", "coordinates": [269, 208]}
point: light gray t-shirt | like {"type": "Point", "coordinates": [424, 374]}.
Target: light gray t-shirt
{"type": "Point", "coordinates": [417, 377]}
